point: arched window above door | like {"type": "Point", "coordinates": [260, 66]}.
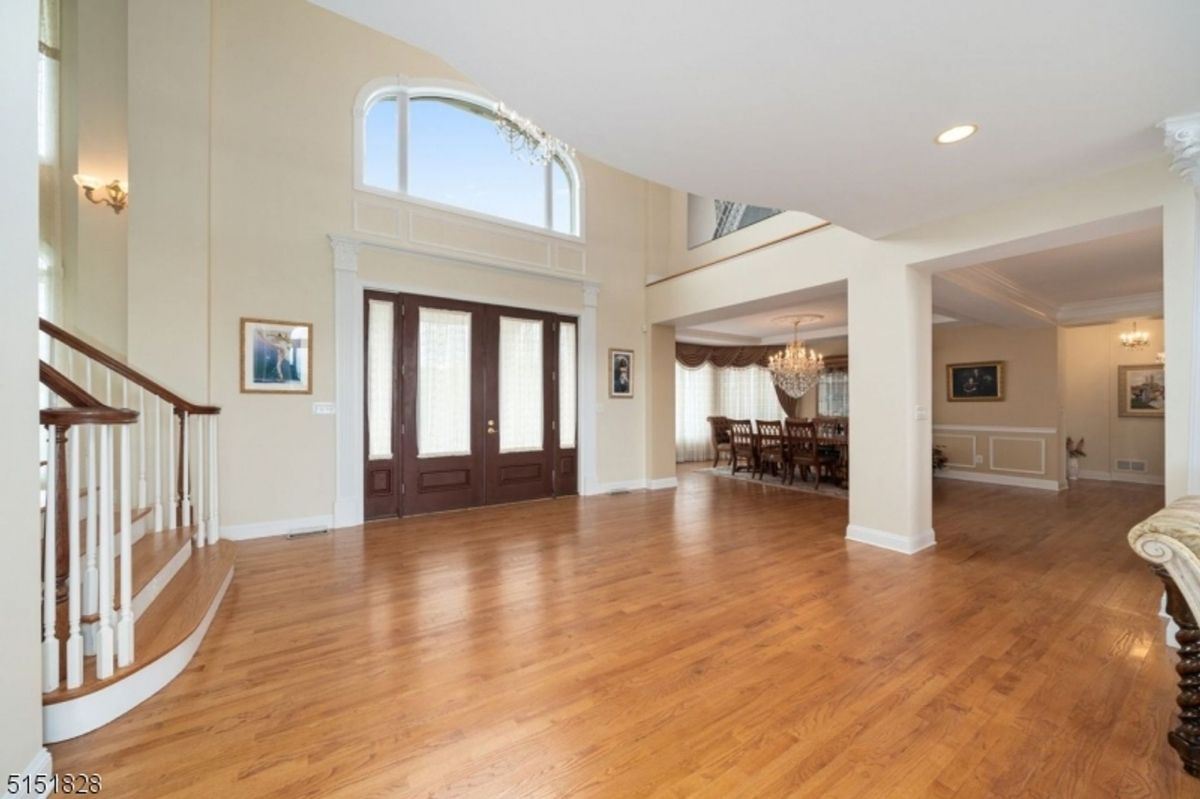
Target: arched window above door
{"type": "Point", "coordinates": [440, 145]}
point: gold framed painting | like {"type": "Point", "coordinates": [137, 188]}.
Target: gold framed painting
{"type": "Point", "coordinates": [620, 374]}
{"type": "Point", "coordinates": [276, 357]}
{"type": "Point", "coordinates": [980, 381]}
{"type": "Point", "coordinates": [1142, 391]}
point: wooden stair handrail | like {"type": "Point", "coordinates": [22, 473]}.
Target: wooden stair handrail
{"type": "Point", "coordinates": [82, 408]}
{"type": "Point", "coordinates": [126, 371]}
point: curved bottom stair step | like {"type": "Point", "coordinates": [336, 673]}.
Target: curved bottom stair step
{"type": "Point", "coordinates": [165, 638]}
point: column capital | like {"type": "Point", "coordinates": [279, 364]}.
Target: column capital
{"type": "Point", "coordinates": [1182, 140]}
{"type": "Point", "coordinates": [345, 253]}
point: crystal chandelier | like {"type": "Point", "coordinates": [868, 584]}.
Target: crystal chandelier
{"type": "Point", "coordinates": [526, 140]}
{"type": "Point", "coordinates": [1135, 339]}
{"type": "Point", "coordinates": [795, 369]}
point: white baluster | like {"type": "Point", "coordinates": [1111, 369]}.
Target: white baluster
{"type": "Point", "coordinates": [172, 482]}
{"type": "Point", "coordinates": [104, 629]}
{"type": "Point", "coordinates": [50, 674]}
{"type": "Point", "coordinates": [158, 505]}
{"type": "Point", "coordinates": [214, 524]}
{"type": "Point", "coordinates": [201, 508]}
{"type": "Point", "coordinates": [141, 434]}
{"type": "Point", "coordinates": [91, 588]}
{"type": "Point", "coordinates": [74, 639]}
{"type": "Point", "coordinates": [125, 618]}
{"type": "Point", "coordinates": [185, 497]}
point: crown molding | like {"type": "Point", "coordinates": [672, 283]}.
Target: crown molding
{"type": "Point", "coordinates": [991, 285]}
{"type": "Point", "coordinates": [1095, 311]}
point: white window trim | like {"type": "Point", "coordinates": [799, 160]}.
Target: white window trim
{"type": "Point", "coordinates": [406, 88]}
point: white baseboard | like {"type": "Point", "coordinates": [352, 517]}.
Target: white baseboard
{"type": "Point", "coordinates": [1121, 477]}
{"type": "Point", "coordinates": [999, 479]}
{"type": "Point", "coordinates": [619, 486]}
{"type": "Point", "coordinates": [41, 766]}
{"type": "Point", "coordinates": [245, 532]}
{"type": "Point", "coordinates": [888, 540]}
{"type": "Point", "coordinates": [74, 717]}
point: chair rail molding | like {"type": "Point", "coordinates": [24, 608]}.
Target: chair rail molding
{"type": "Point", "coordinates": [349, 370]}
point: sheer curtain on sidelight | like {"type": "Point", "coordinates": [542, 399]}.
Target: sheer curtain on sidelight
{"type": "Point", "coordinates": [710, 391]}
{"type": "Point", "coordinates": [521, 390]}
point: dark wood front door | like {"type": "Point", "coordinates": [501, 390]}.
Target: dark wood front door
{"type": "Point", "coordinates": [467, 404]}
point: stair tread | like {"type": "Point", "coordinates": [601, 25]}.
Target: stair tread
{"type": "Point", "coordinates": [151, 553]}
{"type": "Point", "coordinates": [175, 615]}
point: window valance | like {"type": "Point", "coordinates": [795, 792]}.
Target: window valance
{"type": "Point", "coordinates": [695, 355]}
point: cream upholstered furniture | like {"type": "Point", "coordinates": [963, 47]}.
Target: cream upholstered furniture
{"type": "Point", "coordinates": [1170, 540]}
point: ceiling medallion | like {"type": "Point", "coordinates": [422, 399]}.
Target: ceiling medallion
{"type": "Point", "coordinates": [526, 140]}
{"type": "Point", "coordinates": [796, 368]}
{"type": "Point", "coordinates": [1135, 339]}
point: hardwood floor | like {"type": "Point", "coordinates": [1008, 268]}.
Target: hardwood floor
{"type": "Point", "coordinates": [720, 640]}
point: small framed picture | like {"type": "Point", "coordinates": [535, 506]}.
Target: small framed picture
{"type": "Point", "coordinates": [1141, 391]}
{"type": "Point", "coordinates": [620, 374]}
{"type": "Point", "coordinates": [276, 357]}
{"type": "Point", "coordinates": [975, 382]}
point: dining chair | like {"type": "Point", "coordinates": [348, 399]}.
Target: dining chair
{"type": "Point", "coordinates": [771, 448]}
{"type": "Point", "coordinates": [805, 451]}
{"type": "Point", "coordinates": [720, 438]}
{"type": "Point", "coordinates": [741, 441]}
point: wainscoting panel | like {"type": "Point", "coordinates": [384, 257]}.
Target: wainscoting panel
{"type": "Point", "coordinates": [958, 447]}
{"type": "Point", "coordinates": [1017, 454]}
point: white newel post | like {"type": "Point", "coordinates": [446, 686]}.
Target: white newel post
{"type": "Point", "coordinates": [1182, 140]}
{"type": "Point", "coordinates": [50, 675]}
{"type": "Point", "coordinates": [141, 434]}
{"type": "Point", "coordinates": [125, 618]}
{"type": "Point", "coordinates": [348, 327]}
{"type": "Point", "coordinates": [158, 504]}
{"type": "Point", "coordinates": [104, 628]}
{"type": "Point", "coordinates": [185, 497]}
{"type": "Point", "coordinates": [214, 524]}
{"type": "Point", "coordinates": [201, 508]}
{"type": "Point", "coordinates": [74, 637]}
{"type": "Point", "coordinates": [172, 482]}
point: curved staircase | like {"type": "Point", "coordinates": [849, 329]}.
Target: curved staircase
{"type": "Point", "coordinates": [134, 567]}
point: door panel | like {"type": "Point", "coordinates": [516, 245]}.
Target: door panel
{"type": "Point", "coordinates": [519, 399]}
{"type": "Point", "coordinates": [442, 405]}
{"type": "Point", "coordinates": [381, 443]}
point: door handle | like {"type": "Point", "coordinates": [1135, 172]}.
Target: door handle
{"type": "Point", "coordinates": [491, 427]}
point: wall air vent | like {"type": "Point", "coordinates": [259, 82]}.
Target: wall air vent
{"type": "Point", "coordinates": [1131, 466]}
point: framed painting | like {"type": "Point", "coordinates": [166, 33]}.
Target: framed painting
{"type": "Point", "coordinates": [1141, 391]}
{"type": "Point", "coordinates": [276, 357]}
{"type": "Point", "coordinates": [982, 381]}
{"type": "Point", "coordinates": [620, 374]}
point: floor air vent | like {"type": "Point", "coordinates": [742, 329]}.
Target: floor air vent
{"type": "Point", "coordinates": [306, 533]}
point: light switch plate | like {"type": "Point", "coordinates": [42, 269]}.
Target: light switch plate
{"type": "Point", "coordinates": [324, 409]}
{"type": "Point", "coordinates": [921, 413]}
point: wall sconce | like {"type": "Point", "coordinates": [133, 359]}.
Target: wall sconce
{"type": "Point", "coordinates": [118, 193]}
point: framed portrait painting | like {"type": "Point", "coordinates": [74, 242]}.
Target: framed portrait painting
{"type": "Point", "coordinates": [620, 374]}
{"type": "Point", "coordinates": [982, 381]}
{"type": "Point", "coordinates": [276, 357]}
{"type": "Point", "coordinates": [1141, 391]}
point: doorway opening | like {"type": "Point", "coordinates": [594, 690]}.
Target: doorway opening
{"type": "Point", "coordinates": [466, 404]}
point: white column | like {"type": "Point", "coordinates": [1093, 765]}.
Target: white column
{"type": "Point", "coordinates": [125, 618]}
{"type": "Point", "coordinates": [74, 636]}
{"type": "Point", "coordinates": [348, 332]}
{"type": "Point", "coordinates": [185, 495]}
{"type": "Point", "coordinates": [201, 508]}
{"type": "Point", "coordinates": [890, 392]}
{"type": "Point", "coordinates": [1181, 305]}
{"type": "Point", "coordinates": [589, 368]}
{"type": "Point", "coordinates": [214, 523]}
{"type": "Point", "coordinates": [158, 466]}
{"type": "Point", "coordinates": [104, 627]}
{"type": "Point", "coordinates": [50, 673]}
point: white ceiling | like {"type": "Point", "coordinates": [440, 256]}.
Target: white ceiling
{"type": "Point", "coordinates": [829, 108]}
{"type": "Point", "coordinates": [1097, 281]}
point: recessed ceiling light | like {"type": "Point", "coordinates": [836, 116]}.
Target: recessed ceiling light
{"type": "Point", "coordinates": [956, 134]}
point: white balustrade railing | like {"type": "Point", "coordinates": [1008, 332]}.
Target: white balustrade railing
{"type": "Point", "coordinates": [107, 482]}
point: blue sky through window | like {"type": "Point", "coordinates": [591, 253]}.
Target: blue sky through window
{"type": "Point", "coordinates": [457, 158]}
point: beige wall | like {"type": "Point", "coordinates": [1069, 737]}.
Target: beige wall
{"type": "Point", "coordinates": [1031, 403]}
{"type": "Point", "coordinates": [94, 142]}
{"type": "Point", "coordinates": [20, 680]}
{"type": "Point", "coordinates": [1093, 355]}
